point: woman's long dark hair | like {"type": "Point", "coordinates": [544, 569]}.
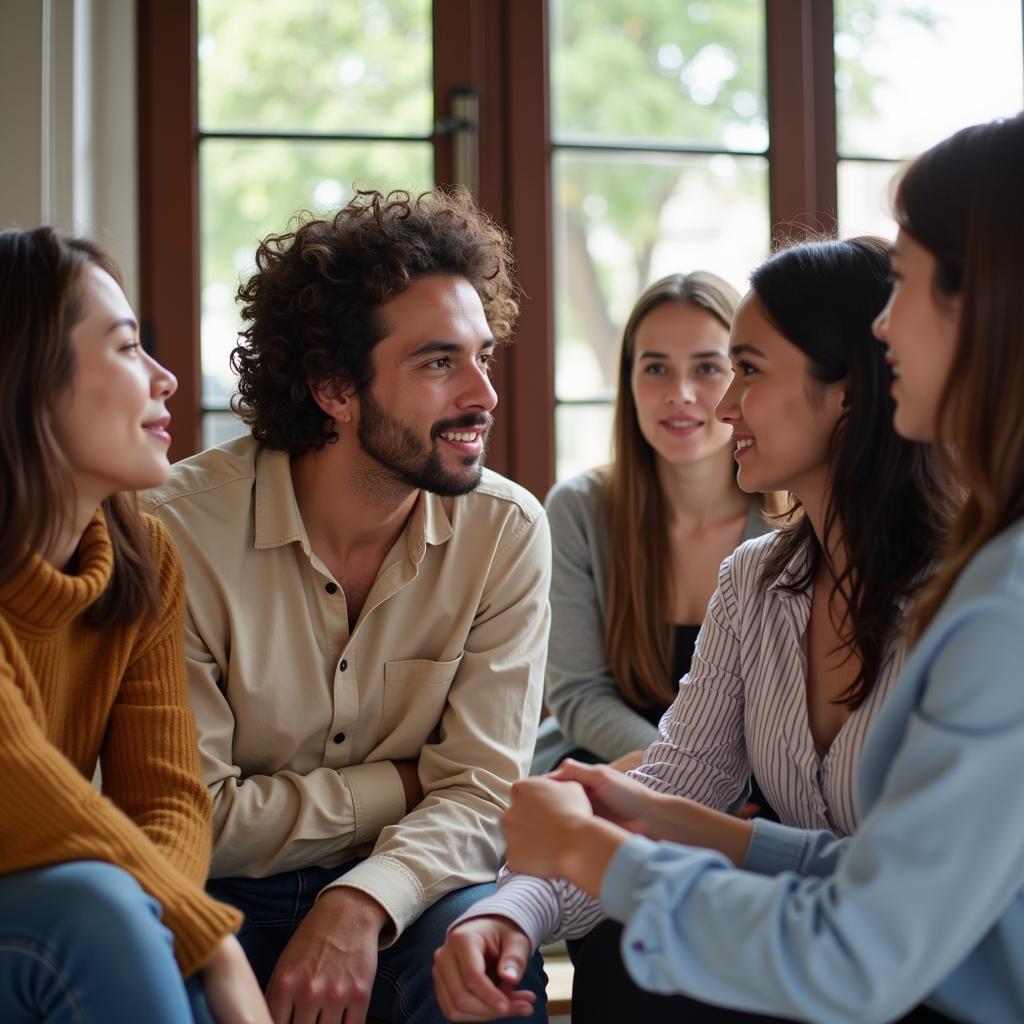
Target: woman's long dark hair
{"type": "Point", "coordinates": [963, 201]}
{"type": "Point", "coordinates": [40, 302]}
{"type": "Point", "coordinates": [886, 499]}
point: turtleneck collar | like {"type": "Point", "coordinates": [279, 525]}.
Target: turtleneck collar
{"type": "Point", "coordinates": [43, 598]}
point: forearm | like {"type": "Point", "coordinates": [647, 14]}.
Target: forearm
{"type": "Point", "coordinates": [676, 819]}
{"type": "Point", "coordinates": [273, 823]}
{"type": "Point", "coordinates": [588, 847]}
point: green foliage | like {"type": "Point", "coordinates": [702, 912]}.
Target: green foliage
{"type": "Point", "coordinates": [681, 71]}
{"type": "Point", "coordinates": [312, 66]}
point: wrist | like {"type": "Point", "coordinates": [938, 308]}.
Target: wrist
{"type": "Point", "coordinates": [358, 908]}
{"type": "Point", "coordinates": [589, 848]}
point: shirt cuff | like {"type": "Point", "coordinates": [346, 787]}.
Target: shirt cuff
{"type": "Point", "coordinates": [621, 882]}
{"type": "Point", "coordinates": [393, 886]}
{"type": "Point", "coordinates": [774, 848]}
{"type": "Point", "coordinates": [523, 905]}
{"type": "Point", "coordinates": [378, 798]}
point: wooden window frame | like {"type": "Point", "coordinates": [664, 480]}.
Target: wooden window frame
{"type": "Point", "coordinates": [498, 49]}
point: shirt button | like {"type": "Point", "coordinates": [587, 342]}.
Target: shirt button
{"type": "Point", "coordinates": [639, 947]}
{"type": "Point", "coordinates": [343, 665]}
{"type": "Point", "coordinates": [331, 588]}
{"type": "Point", "coordinates": [339, 737]}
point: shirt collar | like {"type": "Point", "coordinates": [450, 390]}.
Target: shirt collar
{"type": "Point", "coordinates": [792, 571]}
{"type": "Point", "coordinates": [277, 520]}
{"type": "Point", "coordinates": [276, 513]}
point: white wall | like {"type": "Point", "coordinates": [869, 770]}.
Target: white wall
{"type": "Point", "coordinates": [68, 139]}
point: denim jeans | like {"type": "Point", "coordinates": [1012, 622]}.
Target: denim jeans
{"type": "Point", "coordinates": [404, 989]}
{"type": "Point", "coordinates": [81, 943]}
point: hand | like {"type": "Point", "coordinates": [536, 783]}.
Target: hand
{"type": "Point", "coordinates": [628, 762]}
{"type": "Point", "coordinates": [624, 801]}
{"type": "Point", "coordinates": [326, 971]}
{"type": "Point", "coordinates": [409, 773]}
{"type": "Point", "coordinates": [539, 823]}
{"type": "Point", "coordinates": [631, 805]}
{"type": "Point", "coordinates": [232, 992]}
{"type": "Point", "coordinates": [552, 832]}
{"type": "Point", "coordinates": [477, 967]}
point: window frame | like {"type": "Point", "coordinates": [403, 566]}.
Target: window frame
{"type": "Point", "coordinates": [499, 49]}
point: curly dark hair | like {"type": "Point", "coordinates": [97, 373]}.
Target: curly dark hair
{"type": "Point", "coordinates": [312, 307]}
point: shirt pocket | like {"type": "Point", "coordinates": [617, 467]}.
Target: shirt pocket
{"type": "Point", "coordinates": [415, 694]}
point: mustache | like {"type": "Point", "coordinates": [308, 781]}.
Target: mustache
{"type": "Point", "coordinates": [471, 421]}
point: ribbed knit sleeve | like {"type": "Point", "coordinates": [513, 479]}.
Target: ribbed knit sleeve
{"type": "Point", "coordinates": [150, 757]}
{"type": "Point", "coordinates": [154, 821]}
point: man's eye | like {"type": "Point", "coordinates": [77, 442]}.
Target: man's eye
{"type": "Point", "coordinates": [438, 364]}
{"type": "Point", "coordinates": [708, 369]}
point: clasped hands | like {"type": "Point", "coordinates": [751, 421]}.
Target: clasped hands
{"type": "Point", "coordinates": [569, 823]}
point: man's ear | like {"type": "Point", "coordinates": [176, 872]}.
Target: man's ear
{"type": "Point", "coordinates": [337, 398]}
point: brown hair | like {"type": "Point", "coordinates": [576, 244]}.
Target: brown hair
{"type": "Point", "coordinates": [962, 201]}
{"type": "Point", "coordinates": [312, 307]}
{"type": "Point", "coordinates": [638, 635]}
{"type": "Point", "coordinates": [40, 303]}
{"type": "Point", "coordinates": [823, 297]}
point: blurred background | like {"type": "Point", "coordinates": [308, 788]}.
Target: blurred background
{"type": "Point", "coordinates": [618, 140]}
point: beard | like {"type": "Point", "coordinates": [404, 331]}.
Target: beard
{"type": "Point", "coordinates": [395, 445]}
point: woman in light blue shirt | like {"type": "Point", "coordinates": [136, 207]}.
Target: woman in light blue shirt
{"type": "Point", "coordinates": [926, 900]}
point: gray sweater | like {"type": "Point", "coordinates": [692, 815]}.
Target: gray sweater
{"type": "Point", "coordinates": [587, 709]}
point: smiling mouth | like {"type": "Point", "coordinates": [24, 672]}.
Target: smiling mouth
{"type": "Point", "coordinates": [461, 436]}
{"type": "Point", "coordinates": [682, 424]}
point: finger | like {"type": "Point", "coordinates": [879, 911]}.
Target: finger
{"type": "Point", "coordinates": [308, 1005]}
{"type": "Point", "coordinates": [355, 1009]}
{"type": "Point", "coordinates": [465, 971]}
{"type": "Point", "coordinates": [520, 1001]}
{"type": "Point", "coordinates": [577, 771]}
{"type": "Point", "coordinates": [512, 958]}
{"type": "Point", "coordinates": [279, 1001]}
{"type": "Point", "coordinates": [457, 1003]}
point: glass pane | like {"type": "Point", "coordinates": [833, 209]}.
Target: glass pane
{"type": "Point", "coordinates": [219, 427]}
{"type": "Point", "coordinates": [316, 65]}
{"type": "Point", "coordinates": [662, 69]}
{"type": "Point", "coordinates": [621, 223]}
{"type": "Point", "coordinates": [583, 438]}
{"type": "Point", "coordinates": [909, 74]}
{"type": "Point", "coordinates": [864, 190]}
{"type": "Point", "coordinates": [250, 189]}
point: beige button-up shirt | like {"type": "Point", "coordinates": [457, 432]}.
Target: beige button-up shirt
{"type": "Point", "coordinates": [300, 720]}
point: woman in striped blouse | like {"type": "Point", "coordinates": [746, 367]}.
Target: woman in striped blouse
{"type": "Point", "coordinates": [801, 642]}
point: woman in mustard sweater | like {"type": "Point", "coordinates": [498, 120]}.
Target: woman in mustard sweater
{"type": "Point", "coordinates": [103, 917]}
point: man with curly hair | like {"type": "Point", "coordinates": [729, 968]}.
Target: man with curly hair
{"type": "Point", "coordinates": [368, 610]}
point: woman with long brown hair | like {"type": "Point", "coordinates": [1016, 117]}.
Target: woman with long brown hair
{"type": "Point", "coordinates": [926, 900]}
{"type": "Point", "coordinates": [637, 544]}
{"type": "Point", "coordinates": [102, 910]}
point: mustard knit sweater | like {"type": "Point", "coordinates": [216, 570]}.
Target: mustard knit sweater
{"type": "Point", "coordinates": [71, 696]}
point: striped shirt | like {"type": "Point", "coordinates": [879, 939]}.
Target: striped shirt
{"type": "Point", "coordinates": [741, 708]}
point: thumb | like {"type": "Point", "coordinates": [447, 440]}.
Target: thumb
{"type": "Point", "coordinates": [514, 954]}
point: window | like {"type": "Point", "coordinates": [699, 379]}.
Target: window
{"type": "Point", "coordinates": [297, 102]}
{"type": "Point", "coordinates": [666, 171]}
{"type": "Point", "coordinates": [908, 75]}
{"type": "Point", "coordinates": [674, 134]}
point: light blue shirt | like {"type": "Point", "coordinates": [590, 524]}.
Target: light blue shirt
{"type": "Point", "coordinates": [923, 903]}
